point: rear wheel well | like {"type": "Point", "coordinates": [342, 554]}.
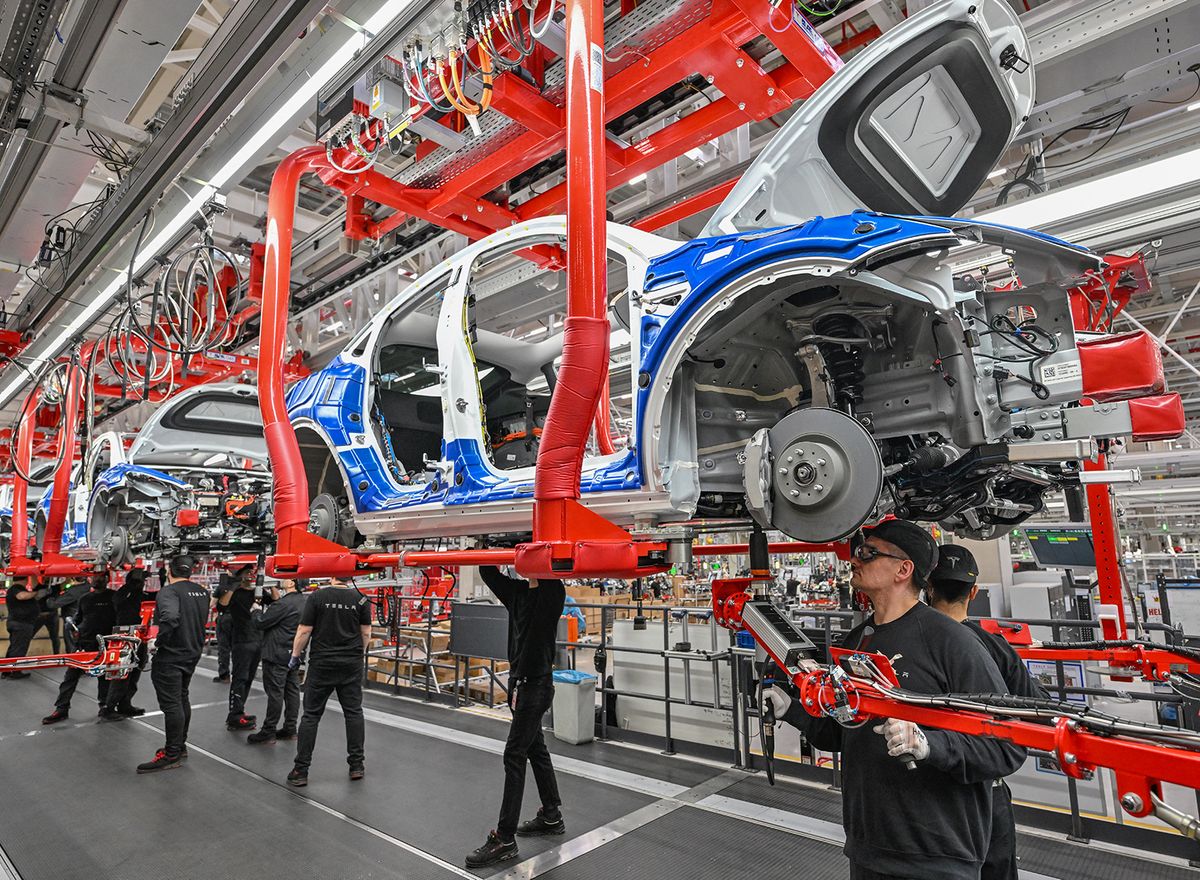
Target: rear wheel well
{"type": "Point", "coordinates": [320, 467]}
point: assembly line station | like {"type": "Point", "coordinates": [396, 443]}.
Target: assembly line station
{"type": "Point", "coordinates": [770, 420]}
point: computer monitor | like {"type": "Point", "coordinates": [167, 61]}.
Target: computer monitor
{"type": "Point", "coordinates": [1066, 545]}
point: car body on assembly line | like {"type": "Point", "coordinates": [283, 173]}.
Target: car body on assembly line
{"type": "Point", "coordinates": [807, 364]}
{"type": "Point", "coordinates": [194, 479]}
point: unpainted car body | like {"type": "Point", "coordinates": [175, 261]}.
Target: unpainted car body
{"type": "Point", "coordinates": [865, 346]}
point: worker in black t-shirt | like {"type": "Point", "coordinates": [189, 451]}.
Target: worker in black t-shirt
{"type": "Point", "coordinates": [952, 587]}
{"type": "Point", "coordinates": [23, 601]}
{"type": "Point", "coordinates": [337, 622]}
{"type": "Point", "coordinates": [181, 613]}
{"type": "Point", "coordinates": [245, 646]}
{"type": "Point", "coordinates": [94, 617]}
{"type": "Point", "coordinates": [534, 607]}
{"type": "Point", "coordinates": [127, 603]}
{"type": "Point", "coordinates": [934, 820]}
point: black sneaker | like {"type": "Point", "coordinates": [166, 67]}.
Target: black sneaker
{"type": "Point", "coordinates": [286, 733]}
{"type": "Point", "coordinates": [223, 679]}
{"type": "Point", "coordinates": [56, 716]}
{"type": "Point", "coordinates": [107, 714]}
{"type": "Point", "coordinates": [357, 772]}
{"type": "Point", "coordinates": [297, 778]}
{"type": "Point", "coordinates": [131, 711]}
{"type": "Point", "coordinates": [494, 850]}
{"type": "Point", "coordinates": [243, 722]}
{"type": "Point", "coordinates": [540, 826]}
{"type": "Point", "coordinates": [263, 736]}
{"type": "Point", "coordinates": [161, 762]}
{"type": "Point", "coordinates": [17, 674]}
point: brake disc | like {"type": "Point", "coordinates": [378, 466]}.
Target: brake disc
{"type": "Point", "coordinates": [826, 475]}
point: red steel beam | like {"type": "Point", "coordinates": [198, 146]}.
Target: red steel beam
{"type": "Point", "coordinates": [1108, 563]}
{"type": "Point", "coordinates": [686, 207]}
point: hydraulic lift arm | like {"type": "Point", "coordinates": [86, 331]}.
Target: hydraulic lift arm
{"type": "Point", "coordinates": [859, 686]}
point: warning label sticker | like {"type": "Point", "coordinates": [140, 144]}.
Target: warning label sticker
{"type": "Point", "coordinates": [1053, 374]}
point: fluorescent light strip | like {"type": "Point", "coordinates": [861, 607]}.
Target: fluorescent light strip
{"type": "Point", "coordinates": [261, 138]}
{"type": "Point", "coordinates": [1103, 192]}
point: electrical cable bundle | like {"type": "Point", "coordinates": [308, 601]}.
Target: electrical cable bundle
{"type": "Point", "coordinates": [1023, 336]}
{"type": "Point", "coordinates": [1034, 162]}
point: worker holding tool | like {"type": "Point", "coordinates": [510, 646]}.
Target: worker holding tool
{"type": "Point", "coordinates": [181, 613]}
{"type": "Point", "coordinates": [534, 608]}
{"type": "Point", "coordinates": [245, 646]}
{"type": "Point", "coordinates": [127, 605]}
{"type": "Point", "coordinates": [916, 803]}
{"type": "Point", "coordinates": [337, 620]}
{"type": "Point", "coordinates": [24, 618]}
{"type": "Point", "coordinates": [952, 587]}
{"type": "Point", "coordinates": [95, 617]}
{"type": "Point", "coordinates": [278, 623]}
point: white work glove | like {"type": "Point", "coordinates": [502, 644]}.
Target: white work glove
{"type": "Point", "coordinates": [904, 737]}
{"type": "Point", "coordinates": [779, 700]}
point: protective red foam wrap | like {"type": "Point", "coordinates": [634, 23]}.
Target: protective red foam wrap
{"type": "Point", "coordinates": [588, 559]}
{"type": "Point", "coordinates": [572, 408]}
{"type": "Point", "coordinates": [1156, 418]}
{"type": "Point", "coordinates": [1121, 367]}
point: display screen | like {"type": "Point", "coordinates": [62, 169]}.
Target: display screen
{"type": "Point", "coordinates": [1058, 547]}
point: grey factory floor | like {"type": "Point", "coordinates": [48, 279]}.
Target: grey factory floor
{"type": "Point", "coordinates": [72, 807]}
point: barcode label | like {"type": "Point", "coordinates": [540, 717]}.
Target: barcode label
{"type": "Point", "coordinates": [1053, 374]}
{"type": "Point", "coordinates": [597, 68]}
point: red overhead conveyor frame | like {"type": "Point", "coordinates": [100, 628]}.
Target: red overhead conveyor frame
{"type": "Point", "coordinates": [567, 538]}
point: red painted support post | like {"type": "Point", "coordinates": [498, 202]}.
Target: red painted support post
{"type": "Point", "coordinates": [68, 429]}
{"type": "Point", "coordinates": [26, 428]}
{"type": "Point", "coordinates": [1104, 537]}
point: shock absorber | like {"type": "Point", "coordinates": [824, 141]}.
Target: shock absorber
{"type": "Point", "coordinates": [841, 349]}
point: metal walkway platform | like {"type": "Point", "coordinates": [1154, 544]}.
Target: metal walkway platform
{"type": "Point", "coordinates": [72, 807]}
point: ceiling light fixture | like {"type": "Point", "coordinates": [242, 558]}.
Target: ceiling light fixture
{"type": "Point", "coordinates": [267, 133]}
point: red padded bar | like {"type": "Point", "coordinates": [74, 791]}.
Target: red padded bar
{"type": "Point", "coordinates": [1157, 418]}
{"type": "Point", "coordinates": [1121, 367]}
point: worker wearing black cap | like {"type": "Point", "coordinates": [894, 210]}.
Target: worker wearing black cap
{"type": "Point", "coordinates": [952, 587]}
{"type": "Point", "coordinates": [181, 613]}
{"type": "Point", "coordinates": [278, 623]}
{"type": "Point", "coordinates": [932, 821]}
{"type": "Point", "coordinates": [95, 617]}
{"type": "Point", "coordinates": [245, 645]}
{"type": "Point", "coordinates": [127, 602]}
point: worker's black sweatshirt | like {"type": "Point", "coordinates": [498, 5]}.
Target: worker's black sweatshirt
{"type": "Point", "coordinates": [1016, 676]}
{"type": "Point", "coordinates": [933, 822]}
{"type": "Point", "coordinates": [532, 621]}
{"type": "Point", "coordinates": [181, 612]}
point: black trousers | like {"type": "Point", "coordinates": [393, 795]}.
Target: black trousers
{"type": "Point", "coordinates": [245, 666]}
{"type": "Point", "coordinates": [70, 681]}
{"type": "Point", "coordinates": [322, 681]}
{"type": "Point", "coordinates": [20, 634]}
{"type": "Point", "coordinates": [1001, 862]}
{"type": "Point", "coordinates": [171, 680]}
{"type": "Point", "coordinates": [526, 743]}
{"type": "Point", "coordinates": [224, 643]}
{"type": "Point", "coordinates": [283, 695]}
{"type": "Point", "coordinates": [49, 619]}
{"type": "Point", "coordinates": [121, 691]}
